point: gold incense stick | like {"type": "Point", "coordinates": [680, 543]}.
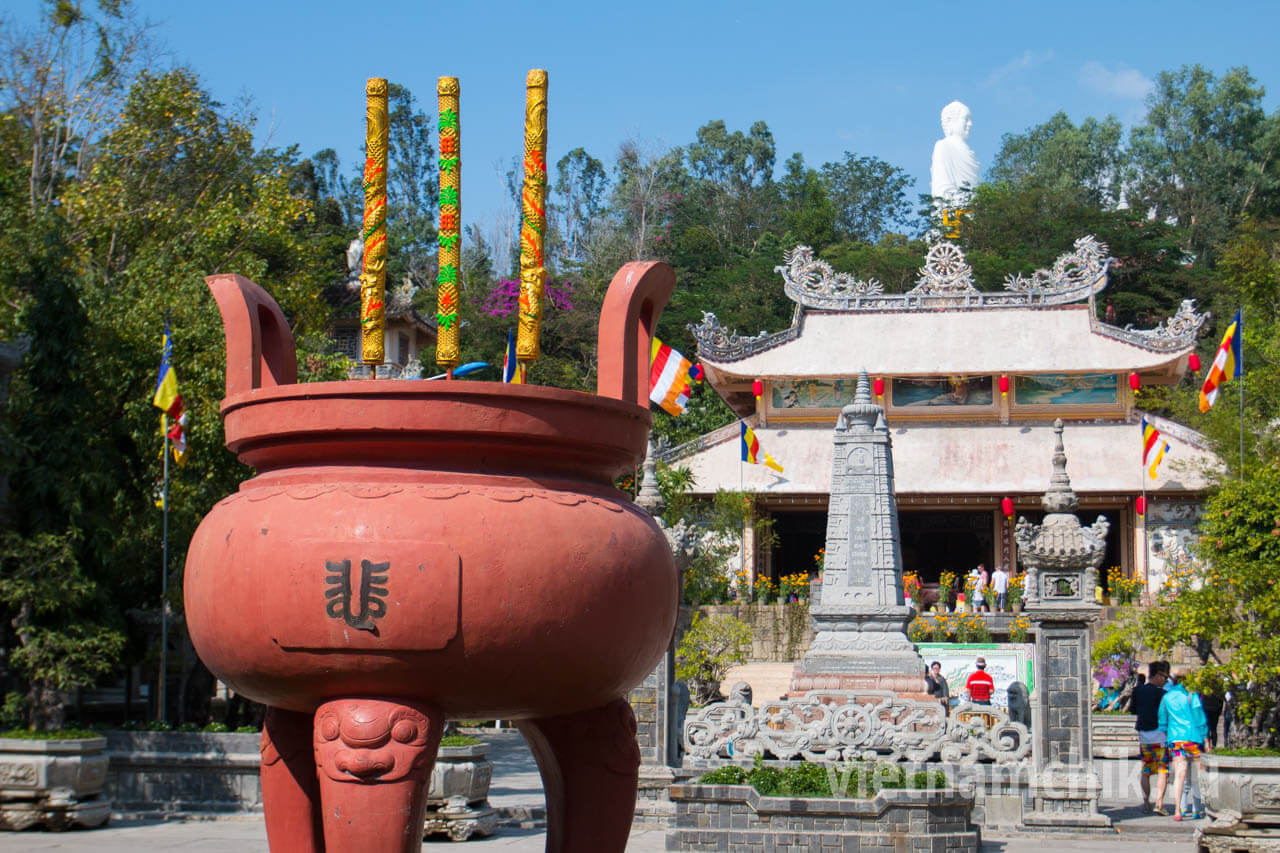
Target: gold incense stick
{"type": "Point", "coordinates": [533, 216]}
{"type": "Point", "coordinates": [373, 277]}
{"type": "Point", "coordinates": [450, 235]}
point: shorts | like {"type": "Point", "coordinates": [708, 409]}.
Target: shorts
{"type": "Point", "coordinates": [1186, 749]}
{"type": "Point", "coordinates": [1155, 758]}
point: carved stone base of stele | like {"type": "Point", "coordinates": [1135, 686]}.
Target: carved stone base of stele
{"type": "Point", "coordinates": [1067, 799]}
{"type": "Point", "coordinates": [460, 820]}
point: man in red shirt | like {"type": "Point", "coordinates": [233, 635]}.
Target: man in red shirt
{"type": "Point", "coordinates": [980, 685]}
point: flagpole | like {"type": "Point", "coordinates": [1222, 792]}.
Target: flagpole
{"type": "Point", "coordinates": [1240, 367]}
{"type": "Point", "coordinates": [164, 579]}
{"type": "Point", "coordinates": [1146, 545]}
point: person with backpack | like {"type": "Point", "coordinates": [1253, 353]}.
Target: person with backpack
{"type": "Point", "coordinates": [1183, 720]}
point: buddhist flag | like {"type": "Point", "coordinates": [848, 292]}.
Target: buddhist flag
{"type": "Point", "coordinates": [1226, 365]}
{"type": "Point", "coordinates": [668, 378]}
{"type": "Point", "coordinates": [512, 371]}
{"type": "Point", "coordinates": [1154, 447]}
{"type": "Point", "coordinates": [751, 451]}
{"type": "Point", "coordinates": [168, 400]}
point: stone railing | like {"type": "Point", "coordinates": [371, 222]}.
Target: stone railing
{"type": "Point", "coordinates": [834, 725]}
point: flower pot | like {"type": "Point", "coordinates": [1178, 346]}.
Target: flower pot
{"type": "Point", "coordinates": [413, 551]}
{"type": "Point", "coordinates": [1243, 789]}
{"type": "Point", "coordinates": [56, 784]}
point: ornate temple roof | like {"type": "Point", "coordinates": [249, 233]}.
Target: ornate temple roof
{"type": "Point", "coordinates": [955, 459]}
{"type": "Point", "coordinates": [945, 326]}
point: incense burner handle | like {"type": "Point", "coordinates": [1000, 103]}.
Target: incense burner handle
{"type": "Point", "coordinates": [628, 319]}
{"type": "Point", "coordinates": [260, 351]}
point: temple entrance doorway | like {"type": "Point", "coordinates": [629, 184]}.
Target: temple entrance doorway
{"type": "Point", "coordinates": [800, 535]}
{"type": "Point", "coordinates": [937, 541]}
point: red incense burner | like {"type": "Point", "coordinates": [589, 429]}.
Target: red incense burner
{"type": "Point", "coordinates": [410, 552]}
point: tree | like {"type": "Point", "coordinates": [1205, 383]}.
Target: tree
{"type": "Point", "coordinates": [1206, 153]}
{"type": "Point", "coordinates": [730, 189]}
{"type": "Point", "coordinates": [869, 196]}
{"type": "Point", "coordinates": [581, 187]}
{"type": "Point", "coordinates": [62, 82]}
{"type": "Point", "coordinates": [1087, 163]}
{"type": "Point", "coordinates": [1229, 608]}
{"type": "Point", "coordinates": [809, 217]}
{"type": "Point", "coordinates": [176, 192]}
{"type": "Point", "coordinates": [411, 190]}
{"type": "Point", "coordinates": [707, 650]}
{"type": "Point", "coordinates": [644, 190]}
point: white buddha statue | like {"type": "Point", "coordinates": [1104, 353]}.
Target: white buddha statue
{"type": "Point", "coordinates": [954, 172]}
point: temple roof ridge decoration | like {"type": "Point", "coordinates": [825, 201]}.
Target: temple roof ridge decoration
{"type": "Point", "coordinates": [946, 281]}
{"type": "Point", "coordinates": [946, 285]}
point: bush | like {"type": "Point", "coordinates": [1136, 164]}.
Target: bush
{"type": "Point", "coordinates": [766, 780]}
{"type": "Point", "coordinates": [805, 780]}
{"type": "Point", "coordinates": [216, 728]}
{"type": "Point", "coordinates": [459, 740]}
{"type": "Point", "coordinates": [730, 774]}
{"type": "Point", "coordinates": [706, 652]}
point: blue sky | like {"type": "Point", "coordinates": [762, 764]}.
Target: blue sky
{"type": "Point", "coordinates": [869, 78]}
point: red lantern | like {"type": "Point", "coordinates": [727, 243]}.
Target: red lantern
{"type": "Point", "coordinates": [1004, 389]}
{"type": "Point", "coordinates": [1006, 506]}
{"type": "Point", "coordinates": [878, 386]}
{"type": "Point", "coordinates": [757, 388]}
{"type": "Point", "coordinates": [1140, 504]}
{"type": "Point", "coordinates": [1135, 381]}
{"type": "Point", "coordinates": [1193, 362]}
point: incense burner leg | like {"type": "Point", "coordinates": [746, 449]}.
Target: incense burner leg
{"type": "Point", "coordinates": [590, 766]}
{"type": "Point", "coordinates": [374, 758]}
{"type": "Point", "coordinates": [290, 790]}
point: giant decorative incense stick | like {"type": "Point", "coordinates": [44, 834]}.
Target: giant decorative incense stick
{"type": "Point", "coordinates": [447, 356]}
{"type": "Point", "coordinates": [373, 277]}
{"type": "Point", "coordinates": [533, 216]}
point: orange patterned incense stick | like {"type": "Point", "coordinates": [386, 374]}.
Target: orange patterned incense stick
{"type": "Point", "coordinates": [533, 216]}
{"type": "Point", "coordinates": [448, 91]}
{"type": "Point", "coordinates": [373, 278]}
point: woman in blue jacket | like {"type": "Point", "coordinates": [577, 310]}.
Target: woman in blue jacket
{"type": "Point", "coordinates": [1183, 720]}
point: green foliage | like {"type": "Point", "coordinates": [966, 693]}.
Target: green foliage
{"type": "Point", "coordinates": [730, 774]}
{"type": "Point", "coordinates": [1228, 607]}
{"type": "Point", "coordinates": [707, 650]}
{"type": "Point", "coordinates": [806, 779]}
{"type": "Point", "coordinates": [1248, 752]}
{"type": "Point", "coordinates": [1085, 163]}
{"type": "Point", "coordinates": [1206, 152]}
{"type": "Point", "coordinates": [459, 740]}
{"type": "Point", "coordinates": [58, 734]}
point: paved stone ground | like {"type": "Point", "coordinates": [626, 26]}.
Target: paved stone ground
{"type": "Point", "coordinates": [517, 790]}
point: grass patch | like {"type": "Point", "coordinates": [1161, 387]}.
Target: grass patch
{"type": "Point", "coordinates": [459, 740]}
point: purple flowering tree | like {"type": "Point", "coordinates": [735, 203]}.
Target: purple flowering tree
{"type": "Point", "coordinates": [504, 299]}
{"type": "Point", "coordinates": [1116, 675]}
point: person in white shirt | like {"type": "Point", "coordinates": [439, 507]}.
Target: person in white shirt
{"type": "Point", "coordinates": [1000, 583]}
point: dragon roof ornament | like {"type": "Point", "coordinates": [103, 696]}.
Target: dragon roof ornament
{"type": "Point", "coordinates": [1177, 332]}
{"type": "Point", "coordinates": [946, 281]}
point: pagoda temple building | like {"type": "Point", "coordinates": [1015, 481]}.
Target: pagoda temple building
{"type": "Point", "coordinates": [971, 383]}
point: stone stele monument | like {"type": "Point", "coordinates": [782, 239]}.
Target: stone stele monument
{"type": "Point", "coordinates": [858, 610]}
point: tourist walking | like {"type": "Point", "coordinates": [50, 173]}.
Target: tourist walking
{"type": "Point", "coordinates": [1151, 738]}
{"type": "Point", "coordinates": [1212, 703]}
{"type": "Point", "coordinates": [1000, 583]}
{"type": "Point", "coordinates": [937, 684]}
{"type": "Point", "coordinates": [1183, 720]}
{"type": "Point", "coordinates": [980, 685]}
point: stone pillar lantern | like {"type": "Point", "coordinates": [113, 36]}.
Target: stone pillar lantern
{"type": "Point", "coordinates": [1062, 559]}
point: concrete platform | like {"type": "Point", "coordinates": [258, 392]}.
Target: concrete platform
{"type": "Point", "coordinates": [517, 794]}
